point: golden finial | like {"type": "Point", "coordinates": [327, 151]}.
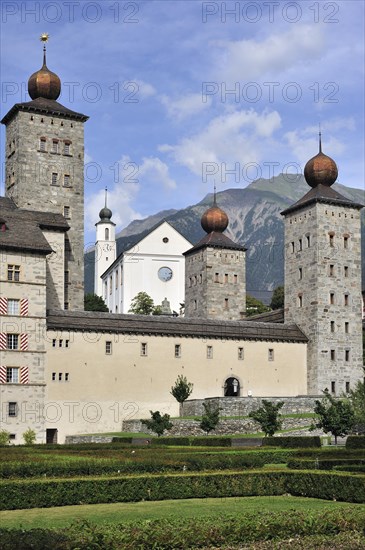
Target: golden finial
{"type": "Point", "coordinates": [44, 37]}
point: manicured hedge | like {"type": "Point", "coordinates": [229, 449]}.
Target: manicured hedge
{"type": "Point", "coordinates": [323, 464]}
{"type": "Point", "coordinates": [123, 440]}
{"type": "Point", "coordinates": [355, 442]}
{"type": "Point", "coordinates": [292, 441]}
{"type": "Point", "coordinates": [351, 468]}
{"type": "Point", "coordinates": [185, 441]}
{"type": "Point", "coordinates": [207, 532]}
{"type": "Point", "coordinates": [211, 442]}
{"type": "Point", "coordinates": [62, 492]}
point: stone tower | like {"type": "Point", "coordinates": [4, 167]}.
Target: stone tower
{"type": "Point", "coordinates": [105, 246]}
{"type": "Point", "coordinates": [45, 169]}
{"type": "Point", "coordinates": [323, 278]}
{"type": "Point", "coordinates": [215, 278]}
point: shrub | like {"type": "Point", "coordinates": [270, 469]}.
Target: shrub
{"type": "Point", "coordinates": [323, 464]}
{"type": "Point", "coordinates": [183, 441]}
{"type": "Point", "coordinates": [210, 418]}
{"type": "Point", "coordinates": [211, 442]}
{"type": "Point", "coordinates": [4, 437]}
{"type": "Point", "coordinates": [355, 442]}
{"type": "Point", "coordinates": [292, 441]}
{"type": "Point", "coordinates": [268, 417]}
{"type": "Point", "coordinates": [122, 440]}
{"type": "Point", "coordinates": [29, 437]}
{"type": "Point", "coordinates": [158, 424]}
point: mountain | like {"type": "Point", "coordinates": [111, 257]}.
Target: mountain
{"type": "Point", "coordinates": [255, 221]}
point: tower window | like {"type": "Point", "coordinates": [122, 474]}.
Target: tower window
{"type": "Point", "coordinates": [108, 347]}
{"type": "Point", "coordinates": [67, 148]}
{"type": "Point", "coordinates": [144, 349]}
{"type": "Point", "coordinates": [55, 146]}
{"type": "Point", "coordinates": [226, 277]}
{"type": "Point", "coordinates": [13, 272]}
{"type": "Point", "coordinates": [332, 298]}
{"type": "Point", "coordinates": [308, 241]}
{"type": "Point", "coordinates": [66, 212]}
{"type": "Point", "coordinates": [345, 241]}
{"type": "Point", "coordinates": [346, 300]}
{"type": "Point", "coordinates": [42, 144]}
{"type": "Point", "coordinates": [54, 178]}
{"type": "Point", "coordinates": [67, 376]}
{"type": "Point", "coordinates": [200, 278]}
{"type": "Point", "coordinates": [177, 350]}
{"type": "Point", "coordinates": [332, 240]}
{"type": "Point", "coordinates": [12, 408]}
{"type": "Point", "coordinates": [332, 326]}
{"type": "Point", "coordinates": [209, 352]}
{"type": "Point", "coordinates": [270, 356]}
{"type": "Point", "coordinates": [347, 327]}
{"type": "Point", "coordinates": [13, 307]}
{"type": "Point", "coordinates": [53, 376]}
{"type": "Point", "coordinates": [241, 354]}
{"type": "Point", "coordinates": [300, 245]}
{"type": "Point", "coordinates": [235, 279]}
{"type": "Point", "coordinates": [66, 180]}
{"type": "Point", "coordinates": [347, 386]}
{"type": "Point", "coordinates": [116, 278]}
{"type": "Point", "coordinates": [12, 341]}
{"type": "Point", "coordinates": [110, 284]}
{"type": "Point", "coordinates": [12, 375]}
{"type": "Point", "coordinates": [107, 234]}
{"type": "Point", "coordinates": [332, 270]}
{"type": "Point", "coordinates": [347, 355]}
{"type": "Point", "coordinates": [60, 376]}
{"type": "Point", "coordinates": [195, 304]}
{"type": "Point", "coordinates": [346, 270]}
{"type": "Point", "coordinates": [216, 278]}
{"type": "Point", "coordinates": [292, 246]}
{"type": "Point", "coordinates": [300, 273]}
{"type": "Point", "coordinates": [333, 355]}
{"type": "Point", "coordinates": [333, 386]}
{"type": "Point", "coordinates": [300, 300]}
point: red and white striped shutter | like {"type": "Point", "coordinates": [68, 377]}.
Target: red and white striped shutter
{"type": "Point", "coordinates": [3, 340]}
{"type": "Point", "coordinates": [24, 307]}
{"type": "Point", "coordinates": [3, 305]}
{"type": "Point", "coordinates": [2, 375]}
{"type": "Point", "coordinates": [24, 341]}
{"type": "Point", "coordinates": [24, 375]}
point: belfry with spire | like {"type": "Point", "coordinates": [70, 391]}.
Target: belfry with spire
{"type": "Point", "coordinates": [215, 276]}
{"type": "Point", "coordinates": [105, 245]}
{"type": "Point", "coordinates": [323, 278]}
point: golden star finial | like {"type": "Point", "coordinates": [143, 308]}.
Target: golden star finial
{"type": "Point", "coordinates": [44, 37]}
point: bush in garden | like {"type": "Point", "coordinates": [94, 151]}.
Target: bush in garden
{"type": "Point", "coordinates": [210, 418]}
{"type": "Point", "coordinates": [158, 423]}
{"type": "Point", "coordinates": [268, 417]}
{"type": "Point", "coordinates": [29, 437]}
{"type": "Point", "coordinates": [4, 437]}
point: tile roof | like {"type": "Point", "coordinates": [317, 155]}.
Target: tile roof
{"type": "Point", "coordinates": [215, 239]}
{"type": "Point", "coordinates": [24, 228]}
{"type": "Point", "coordinates": [45, 106]}
{"type": "Point", "coordinates": [89, 321]}
{"type": "Point", "coordinates": [325, 194]}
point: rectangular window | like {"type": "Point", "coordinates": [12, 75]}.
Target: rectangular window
{"type": "Point", "coordinates": [332, 268]}
{"type": "Point", "coordinates": [241, 354]}
{"type": "Point", "coordinates": [116, 278]}
{"type": "Point", "coordinates": [67, 278]}
{"type": "Point", "coordinates": [60, 376]}
{"type": "Point", "coordinates": [67, 343]}
{"type": "Point", "coordinates": [333, 387]}
{"type": "Point", "coordinates": [225, 303]}
{"type": "Point", "coordinates": [300, 245]}
{"type": "Point", "coordinates": [332, 326]}
{"type": "Point", "coordinates": [54, 178]}
{"type": "Point", "coordinates": [60, 343]}
{"type": "Point", "coordinates": [13, 307]}
{"type": "Point", "coordinates": [54, 342]}
{"type": "Point", "coordinates": [346, 299]}
{"type": "Point", "coordinates": [292, 246]}
{"type": "Point", "coordinates": [67, 376]}
{"type": "Point", "coordinates": [54, 146]}
{"type": "Point", "coordinates": [66, 180]}
{"type": "Point", "coordinates": [216, 278]}
{"type": "Point", "coordinates": [108, 347]}
{"type": "Point", "coordinates": [66, 212]}
{"type": "Point", "coordinates": [346, 270]}
{"type": "Point", "coordinates": [332, 298]}
{"type": "Point", "coordinates": [226, 277]}
{"type": "Point", "coordinates": [235, 279]}
{"type": "Point", "coordinates": [144, 349]}
{"type": "Point", "coordinates": [345, 242]}
{"type": "Point", "coordinates": [300, 300]}
{"type": "Point", "coordinates": [42, 144]}
{"type": "Point", "coordinates": [110, 284]}
{"type": "Point", "coordinates": [66, 306]}
{"type": "Point", "coordinates": [300, 273]}
{"type": "Point", "coordinates": [308, 241]}
{"type": "Point", "coordinates": [13, 273]}
{"type": "Point", "coordinates": [105, 289]}
{"type": "Point", "coordinates": [209, 352]}
{"type": "Point", "coordinates": [347, 387]}
{"type": "Point", "coordinates": [12, 408]}
{"type": "Point", "coordinates": [177, 350]}
{"type": "Point", "coordinates": [270, 354]}
{"type": "Point", "coordinates": [347, 355]}
{"type": "Point", "coordinates": [66, 148]}
{"type": "Point", "coordinates": [12, 375]}
{"type": "Point", "coordinates": [333, 355]}
{"type": "Point", "coordinates": [13, 341]}
{"type": "Point", "coordinates": [332, 240]}
{"type": "Point", "coordinates": [53, 376]}
{"type": "Point", "coordinates": [347, 326]}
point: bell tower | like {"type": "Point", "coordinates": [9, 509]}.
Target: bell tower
{"type": "Point", "coordinates": [45, 168]}
{"type": "Point", "coordinates": [323, 278]}
{"type": "Point", "coordinates": [105, 245]}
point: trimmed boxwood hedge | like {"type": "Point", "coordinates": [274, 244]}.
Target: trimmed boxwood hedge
{"type": "Point", "coordinates": [323, 464]}
{"type": "Point", "coordinates": [211, 441]}
{"type": "Point", "coordinates": [185, 441]}
{"type": "Point", "coordinates": [63, 492]}
{"type": "Point", "coordinates": [292, 441]}
{"type": "Point", "coordinates": [355, 442]}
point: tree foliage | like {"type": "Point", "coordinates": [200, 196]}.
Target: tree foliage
{"type": "Point", "coordinates": [277, 299]}
{"type": "Point", "coordinates": [357, 399]}
{"type": "Point", "coordinates": [335, 416]}
{"type": "Point", "coordinates": [93, 302]}
{"type": "Point", "coordinates": [210, 418]}
{"type": "Point", "coordinates": [29, 437]}
{"type": "Point", "coordinates": [142, 304]}
{"type": "Point", "coordinates": [182, 389]}
{"type": "Point", "coordinates": [4, 437]}
{"type": "Point", "coordinates": [268, 417]}
{"type": "Point", "coordinates": [158, 424]}
{"type": "Point", "coordinates": [254, 306]}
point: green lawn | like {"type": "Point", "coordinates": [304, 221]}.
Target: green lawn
{"type": "Point", "coordinates": [191, 508]}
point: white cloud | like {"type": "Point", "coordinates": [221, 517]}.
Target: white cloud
{"type": "Point", "coordinates": [185, 106]}
{"type": "Point", "coordinates": [156, 171]}
{"type": "Point", "coordinates": [238, 136]}
{"type": "Point", "coordinates": [145, 89]}
{"type": "Point", "coordinates": [247, 60]}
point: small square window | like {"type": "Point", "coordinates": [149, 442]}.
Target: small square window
{"type": "Point", "coordinates": [13, 307]}
{"type": "Point", "coordinates": [12, 408]}
{"type": "Point", "coordinates": [13, 273]}
{"type": "Point", "coordinates": [209, 352]}
{"type": "Point", "coordinates": [241, 354]}
{"type": "Point", "coordinates": [271, 354]}
{"type": "Point", "coordinates": [108, 347]}
{"type": "Point", "coordinates": [12, 375]}
{"type": "Point", "coordinates": [13, 341]}
{"type": "Point", "coordinates": [144, 349]}
{"type": "Point", "coordinates": [177, 350]}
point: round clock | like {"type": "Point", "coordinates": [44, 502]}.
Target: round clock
{"type": "Point", "coordinates": [164, 274]}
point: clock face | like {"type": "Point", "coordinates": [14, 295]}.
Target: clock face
{"type": "Point", "coordinates": [165, 274]}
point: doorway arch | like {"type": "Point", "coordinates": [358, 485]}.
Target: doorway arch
{"type": "Point", "coordinates": [232, 387]}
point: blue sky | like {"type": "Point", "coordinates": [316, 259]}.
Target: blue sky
{"type": "Point", "coordinates": [180, 93]}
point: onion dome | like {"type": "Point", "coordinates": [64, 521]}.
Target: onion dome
{"type": "Point", "coordinates": [320, 169]}
{"type": "Point", "coordinates": [214, 219]}
{"type": "Point", "coordinates": [44, 83]}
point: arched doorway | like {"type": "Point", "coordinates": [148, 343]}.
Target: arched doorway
{"type": "Point", "coordinates": [231, 387]}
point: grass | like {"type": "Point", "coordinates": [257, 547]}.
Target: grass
{"type": "Point", "coordinates": [191, 508]}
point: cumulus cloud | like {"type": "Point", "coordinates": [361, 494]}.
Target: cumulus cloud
{"type": "Point", "coordinates": [156, 171]}
{"type": "Point", "coordinates": [233, 137]}
{"type": "Point", "coordinates": [185, 106]}
{"type": "Point", "coordinates": [145, 89]}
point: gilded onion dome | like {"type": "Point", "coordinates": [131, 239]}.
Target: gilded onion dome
{"type": "Point", "coordinates": [214, 219]}
{"type": "Point", "coordinates": [320, 169]}
{"type": "Point", "coordinates": [44, 83]}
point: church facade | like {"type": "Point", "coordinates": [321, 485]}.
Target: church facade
{"type": "Point", "coordinates": [64, 371]}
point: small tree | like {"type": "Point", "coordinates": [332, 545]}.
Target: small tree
{"type": "Point", "coordinates": [268, 417]}
{"type": "Point", "coordinates": [336, 416]}
{"type": "Point", "coordinates": [210, 418]}
{"type": "Point", "coordinates": [93, 302]}
{"type": "Point", "coordinates": [182, 389]}
{"type": "Point", "coordinates": [277, 299]}
{"type": "Point", "coordinates": [158, 423]}
{"type": "Point", "coordinates": [357, 399]}
{"type": "Point", "coordinates": [4, 438]}
{"type": "Point", "coordinates": [254, 306]}
{"type": "Point", "coordinates": [142, 304]}
{"type": "Point", "coordinates": [29, 437]}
